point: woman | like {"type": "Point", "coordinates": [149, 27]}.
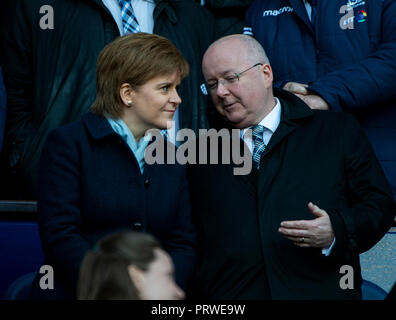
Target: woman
{"type": "Point", "coordinates": [128, 266]}
{"type": "Point", "coordinates": [93, 179]}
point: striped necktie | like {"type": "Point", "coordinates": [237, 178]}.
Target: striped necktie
{"type": "Point", "coordinates": [258, 143]}
{"type": "Point", "coordinates": [129, 21]}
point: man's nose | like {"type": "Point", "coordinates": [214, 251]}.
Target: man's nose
{"type": "Point", "coordinates": [222, 88]}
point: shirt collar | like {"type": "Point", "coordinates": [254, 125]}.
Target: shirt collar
{"type": "Point", "coordinates": [120, 127]}
{"type": "Point", "coordinates": [270, 121]}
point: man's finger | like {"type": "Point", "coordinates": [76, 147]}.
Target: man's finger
{"type": "Point", "coordinates": [293, 232]}
{"type": "Point", "coordinates": [298, 239]}
{"type": "Point", "coordinates": [297, 88]}
{"type": "Point", "coordinates": [302, 245]}
{"type": "Point", "coordinates": [315, 210]}
{"type": "Point", "coordinates": [297, 224]}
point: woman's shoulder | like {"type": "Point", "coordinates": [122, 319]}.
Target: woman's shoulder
{"type": "Point", "coordinates": [70, 131]}
{"type": "Point", "coordinates": [90, 124]}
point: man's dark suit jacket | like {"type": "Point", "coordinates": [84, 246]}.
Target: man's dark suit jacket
{"type": "Point", "coordinates": [317, 156]}
{"type": "Point", "coordinates": [90, 185]}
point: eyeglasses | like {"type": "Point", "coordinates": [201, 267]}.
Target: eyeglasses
{"type": "Point", "coordinates": [233, 78]}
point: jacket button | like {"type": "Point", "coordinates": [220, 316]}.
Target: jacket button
{"type": "Point", "coordinates": [147, 183]}
{"type": "Point", "coordinates": [137, 226]}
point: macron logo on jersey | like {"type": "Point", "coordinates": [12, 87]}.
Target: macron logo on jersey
{"type": "Point", "coordinates": [277, 12]}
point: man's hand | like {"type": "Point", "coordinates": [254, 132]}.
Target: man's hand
{"type": "Point", "coordinates": [296, 88]}
{"type": "Point", "coordinates": [316, 233]}
{"type": "Point", "coordinates": [312, 100]}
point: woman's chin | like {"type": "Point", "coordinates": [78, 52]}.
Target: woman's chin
{"type": "Point", "coordinates": [169, 124]}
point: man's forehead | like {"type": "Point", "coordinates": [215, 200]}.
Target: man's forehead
{"type": "Point", "coordinates": [224, 57]}
{"type": "Point", "coordinates": [227, 47]}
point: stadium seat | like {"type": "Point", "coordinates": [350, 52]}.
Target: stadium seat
{"type": "Point", "coordinates": [20, 288]}
{"type": "Point", "coordinates": [20, 245]}
{"type": "Point", "coordinates": [371, 291]}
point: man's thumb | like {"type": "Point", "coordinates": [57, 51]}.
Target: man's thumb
{"type": "Point", "coordinates": [315, 210]}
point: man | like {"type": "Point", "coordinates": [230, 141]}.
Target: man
{"type": "Point", "coordinates": [50, 52]}
{"type": "Point", "coordinates": [315, 199]}
{"type": "Point", "coordinates": [336, 55]}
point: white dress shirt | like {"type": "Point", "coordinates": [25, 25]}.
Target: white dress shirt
{"type": "Point", "coordinates": [270, 123]}
{"type": "Point", "coordinates": [143, 10]}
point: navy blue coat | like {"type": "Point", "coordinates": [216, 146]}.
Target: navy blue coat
{"type": "Point", "coordinates": [90, 185]}
{"type": "Point", "coordinates": [354, 70]}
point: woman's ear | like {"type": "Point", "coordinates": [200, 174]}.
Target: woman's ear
{"type": "Point", "coordinates": [137, 278]}
{"type": "Point", "coordinates": [126, 94]}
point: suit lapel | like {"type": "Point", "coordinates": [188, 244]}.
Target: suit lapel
{"type": "Point", "coordinates": [249, 180]}
{"type": "Point", "coordinates": [272, 159]}
{"type": "Point", "coordinates": [293, 112]}
{"type": "Point", "coordinates": [301, 13]}
{"type": "Point", "coordinates": [101, 4]}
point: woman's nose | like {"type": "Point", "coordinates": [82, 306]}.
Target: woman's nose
{"type": "Point", "coordinates": [175, 98]}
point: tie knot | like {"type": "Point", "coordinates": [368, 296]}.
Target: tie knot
{"type": "Point", "coordinates": [129, 21]}
{"type": "Point", "coordinates": [257, 131]}
{"type": "Point", "coordinates": [122, 3]}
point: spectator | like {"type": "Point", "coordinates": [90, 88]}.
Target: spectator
{"type": "Point", "coordinates": [50, 50]}
{"type": "Point", "coordinates": [229, 14]}
{"type": "Point", "coordinates": [128, 266]}
{"type": "Point", "coordinates": [93, 179]}
{"type": "Point", "coordinates": [336, 55]}
{"type": "Point", "coordinates": [314, 200]}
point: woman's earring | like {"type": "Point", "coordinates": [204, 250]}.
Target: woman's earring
{"type": "Point", "coordinates": [129, 103]}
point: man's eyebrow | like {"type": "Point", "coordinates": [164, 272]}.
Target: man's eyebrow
{"type": "Point", "coordinates": [222, 74]}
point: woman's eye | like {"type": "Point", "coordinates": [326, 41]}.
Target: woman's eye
{"type": "Point", "coordinates": [165, 89]}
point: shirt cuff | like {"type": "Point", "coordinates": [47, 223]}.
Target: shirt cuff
{"type": "Point", "coordinates": [327, 251]}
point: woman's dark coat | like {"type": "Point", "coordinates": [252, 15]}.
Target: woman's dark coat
{"type": "Point", "coordinates": [90, 185]}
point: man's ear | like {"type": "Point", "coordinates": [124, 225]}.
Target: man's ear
{"type": "Point", "coordinates": [127, 94]}
{"type": "Point", "coordinates": [137, 277]}
{"type": "Point", "coordinates": [268, 75]}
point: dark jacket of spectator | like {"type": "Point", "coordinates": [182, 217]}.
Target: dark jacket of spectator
{"type": "Point", "coordinates": [242, 255]}
{"type": "Point", "coordinates": [353, 70]}
{"type": "Point", "coordinates": [50, 73]}
{"type": "Point", "coordinates": [90, 185]}
{"type": "Point", "coordinates": [229, 14]}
